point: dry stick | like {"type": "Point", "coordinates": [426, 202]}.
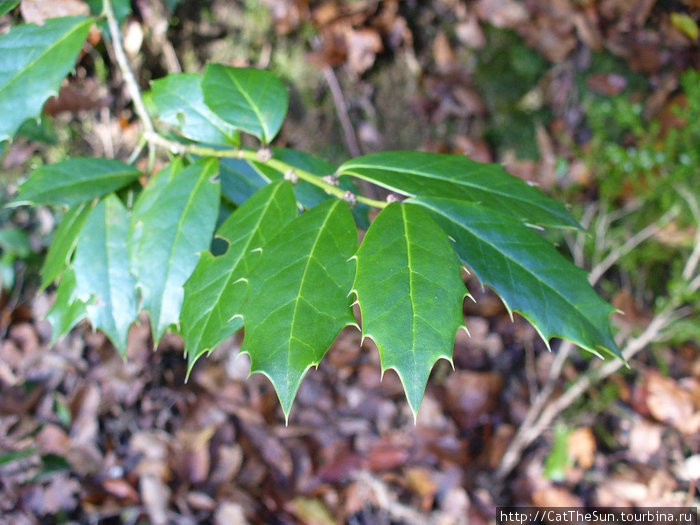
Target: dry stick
{"type": "Point", "coordinates": [694, 258]}
{"type": "Point", "coordinates": [582, 384]}
{"type": "Point", "coordinates": [525, 434]}
{"type": "Point", "coordinates": [341, 109]}
{"type": "Point", "coordinates": [631, 243]}
{"type": "Point", "coordinates": [349, 135]}
{"type": "Point", "coordinates": [129, 79]}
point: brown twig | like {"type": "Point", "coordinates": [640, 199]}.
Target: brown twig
{"type": "Point", "coordinates": [341, 108]}
{"type": "Point", "coordinates": [129, 79]}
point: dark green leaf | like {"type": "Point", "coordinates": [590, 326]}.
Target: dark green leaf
{"type": "Point", "coordinates": [529, 274]}
{"type": "Point", "coordinates": [180, 103]}
{"type": "Point", "coordinates": [171, 223]}
{"type": "Point", "coordinates": [102, 271]}
{"type": "Point", "coordinates": [414, 173]}
{"type": "Point", "coordinates": [252, 100]}
{"type": "Point", "coordinates": [63, 244]}
{"type": "Point", "coordinates": [410, 292]}
{"type": "Point", "coordinates": [299, 296]}
{"type": "Point", "coordinates": [75, 180]}
{"type": "Point", "coordinates": [33, 62]}
{"type": "Point", "coordinates": [214, 294]}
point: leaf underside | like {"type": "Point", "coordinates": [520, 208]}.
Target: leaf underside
{"type": "Point", "coordinates": [102, 271]}
{"type": "Point", "coordinates": [67, 309]}
{"type": "Point", "coordinates": [410, 292]}
{"type": "Point", "coordinates": [64, 242]}
{"type": "Point", "coordinates": [214, 294]}
{"type": "Point", "coordinates": [298, 296]}
{"type": "Point", "coordinates": [33, 62]}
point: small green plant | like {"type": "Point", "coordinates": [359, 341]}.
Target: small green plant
{"type": "Point", "coordinates": [291, 270]}
{"type": "Point", "coordinates": [647, 168]}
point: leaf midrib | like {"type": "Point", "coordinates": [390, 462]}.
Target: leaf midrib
{"type": "Point", "coordinates": [410, 292]}
{"type": "Point", "coordinates": [515, 262]}
{"type": "Point", "coordinates": [308, 258]}
{"type": "Point", "coordinates": [178, 232]}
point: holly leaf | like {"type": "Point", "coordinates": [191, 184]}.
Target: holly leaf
{"type": "Point", "coordinates": [102, 275]}
{"type": "Point", "coordinates": [252, 100]}
{"type": "Point", "coordinates": [214, 294]}
{"type": "Point", "coordinates": [75, 180]}
{"type": "Point", "coordinates": [172, 222]}
{"type": "Point", "coordinates": [179, 100]}
{"type": "Point", "coordinates": [33, 62]}
{"type": "Point", "coordinates": [414, 173]}
{"type": "Point", "coordinates": [67, 309]}
{"type": "Point", "coordinates": [528, 273]}
{"type": "Point", "coordinates": [298, 298]}
{"type": "Point", "coordinates": [64, 242]}
{"type": "Point", "coordinates": [410, 292]}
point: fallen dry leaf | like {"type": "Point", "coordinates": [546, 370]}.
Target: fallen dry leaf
{"type": "Point", "coordinates": [555, 497]}
{"type": "Point", "coordinates": [229, 513]}
{"type": "Point", "coordinates": [36, 11]}
{"type": "Point", "coordinates": [471, 396]}
{"type": "Point", "coordinates": [502, 13]}
{"type": "Point", "coordinates": [155, 495]}
{"type": "Point", "coordinates": [668, 403]}
{"type": "Point", "coordinates": [644, 440]}
{"type": "Point", "coordinates": [581, 447]}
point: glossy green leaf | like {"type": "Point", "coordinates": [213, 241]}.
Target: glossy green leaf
{"type": "Point", "coordinates": [529, 274]}
{"type": "Point", "coordinates": [252, 100]}
{"type": "Point", "coordinates": [75, 180]}
{"type": "Point", "coordinates": [414, 173]}
{"type": "Point", "coordinates": [410, 292]}
{"type": "Point", "coordinates": [102, 275]}
{"type": "Point", "coordinates": [33, 62]}
{"type": "Point", "coordinates": [298, 296]}
{"type": "Point", "coordinates": [7, 5]}
{"type": "Point", "coordinates": [67, 308]}
{"type": "Point", "coordinates": [214, 294]}
{"type": "Point", "coordinates": [171, 223]}
{"type": "Point", "coordinates": [64, 242]}
{"type": "Point", "coordinates": [180, 103]}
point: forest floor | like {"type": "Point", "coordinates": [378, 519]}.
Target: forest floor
{"type": "Point", "coordinates": [553, 90]}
